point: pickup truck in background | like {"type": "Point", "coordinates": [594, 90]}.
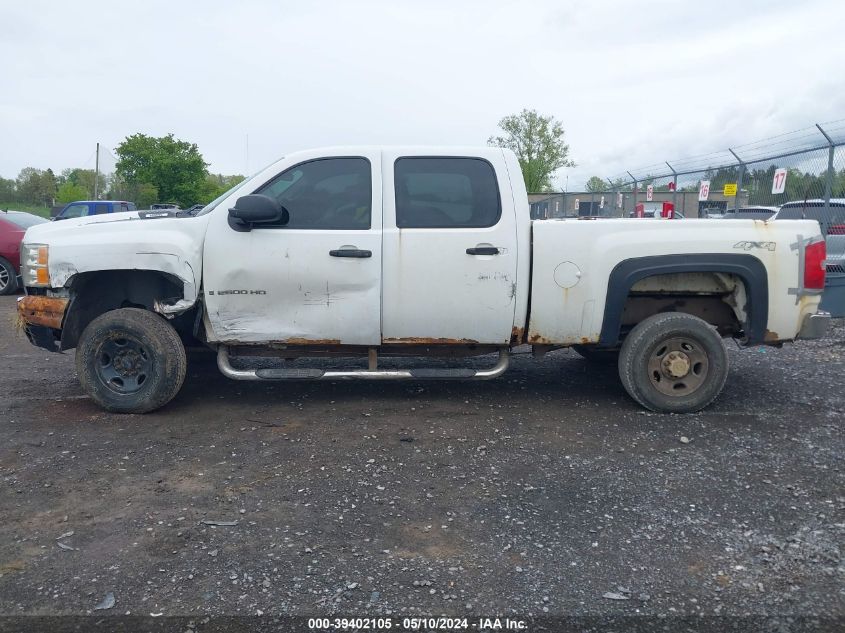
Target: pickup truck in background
{"type": "Point", "coordinates": [84, 208]}
{"type": "Point", "coordinates": [373, 252]}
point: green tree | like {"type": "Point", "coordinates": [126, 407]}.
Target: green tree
{"type": "Point", "coordinates": [175, 168]}
{"type": "Point", "coordinates": [70, 192]}
{"type": "Point", "coordinates": [538, 143]}
{"type": "Point", "coordinates": [85, 178]}
{"type": "Point", "coordinates": [596, 184]}
{"type": "Point", "coordinates": [216, 184]}
{"type": "Point", "coordinates": [36, 186]}
{"type": "Point", "coordinates": [7, 190]}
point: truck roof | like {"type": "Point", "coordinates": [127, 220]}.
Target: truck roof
{"type": "Point", "coordinates": [94, 201]}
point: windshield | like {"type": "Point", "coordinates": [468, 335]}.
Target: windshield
{"type": "Point", "coordinates": [23, 220]}
{"type": "Point", "coordinates": [211, 205]}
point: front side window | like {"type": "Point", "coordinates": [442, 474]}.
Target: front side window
{"type": "Point", "coordinates": [446, 193]}
{"type": "Point", "coordinates": [75, 211]}
{"type": "Point", "coordinates": [328, 193]}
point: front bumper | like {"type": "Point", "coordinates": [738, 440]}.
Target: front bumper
{"type": "Point", "coordinates": [42, 318]}
{"type": "Point", "coordinates": [814, 326]}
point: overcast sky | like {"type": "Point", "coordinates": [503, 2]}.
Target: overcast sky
{"type": "Point", "coordinates": [634, 83]}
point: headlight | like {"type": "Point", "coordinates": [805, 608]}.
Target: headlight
{"type": "Point", "coordinates": [34, 265]}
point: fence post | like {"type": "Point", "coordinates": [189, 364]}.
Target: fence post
{"type": "Point", "coordinates": [634, 208]}
{"type": "Point", "coordinates": [674, 188]}
{"type": "Point", "coordinates": [828, 182]}
{"type": "Point", "coordinates": [738, 179]}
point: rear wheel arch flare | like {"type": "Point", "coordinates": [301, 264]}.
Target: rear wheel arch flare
{"type": "Point", "coordinates": [746, 267]}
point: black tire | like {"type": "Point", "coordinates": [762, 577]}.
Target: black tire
{"type": "Point", "coordinates": [8, 278]}
{"type": "Point", "coordinates": [673, 363]}
{"type": "Point", "coordinates": [130, 361]}
{"type": "Point", "coordinates": [597, 355]}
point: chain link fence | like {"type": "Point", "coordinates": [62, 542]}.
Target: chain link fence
{"type": "Point", "coordinates": [802, 166]}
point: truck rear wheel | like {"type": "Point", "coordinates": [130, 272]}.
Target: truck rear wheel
{"type": "Point", "coordinates": [673, 363]}
{"type": "Point", "coordinates": [130, 361]}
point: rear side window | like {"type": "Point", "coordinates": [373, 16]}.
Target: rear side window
{"type": "Point", "coordinates": [449, 193]}
{"type": "Point", "coordinates": [101, 208]}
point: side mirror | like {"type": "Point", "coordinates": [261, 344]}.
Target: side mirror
{"type": "Point", "coordinates": [256, 209]}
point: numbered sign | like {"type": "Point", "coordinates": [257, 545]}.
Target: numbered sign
{"type": "Point", "coordinates": [779, 181]}
{"type": "Point", "coordinates": [649, 193]}
{"type": "Point", "coordinates": [619, 200]}
{"type": "Point", "coordinates": [704, 191]}
{"type": "Point", "coordinates": [601, 203]}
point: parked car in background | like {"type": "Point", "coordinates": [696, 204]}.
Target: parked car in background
{"type": "Point", "coordinates": [832, 223]}
{"type": "Point", "coordinates": [83, 208]}
{"type": "Point", "coordinates": [815, 210]}
{"type": "Point", "coordinates": [749, 213]}
{"type": "Point", "coordinates": [163, 205]}
{"type": "Point", "coordinates": [13, 226]}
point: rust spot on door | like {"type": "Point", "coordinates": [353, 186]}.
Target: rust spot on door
{"type": "Point", "coordinates": [538, 339]}
{"type": "Point", "coordinates": [517, 335]}
{"type": "Point", "coordinates": [41, 310]}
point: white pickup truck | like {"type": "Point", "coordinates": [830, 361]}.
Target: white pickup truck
{"type": "Point", "coordinates": [410, 252]}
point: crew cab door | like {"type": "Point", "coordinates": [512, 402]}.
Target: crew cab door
{"type": "Point", "coordinates": [450, 249]}
{"type": "Point", "coordinates": [314, 280]}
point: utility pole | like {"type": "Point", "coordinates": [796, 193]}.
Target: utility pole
{"type": "Point", "coordinates": [97, 173]}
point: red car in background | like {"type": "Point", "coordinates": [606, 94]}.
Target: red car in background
{"type": "Point", "coordinates": [13, 225]}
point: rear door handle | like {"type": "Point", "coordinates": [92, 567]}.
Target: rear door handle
{"type": "Point", "coordinates": [483, 250]}
{"type": "Point", "coordinates": [351, 252]}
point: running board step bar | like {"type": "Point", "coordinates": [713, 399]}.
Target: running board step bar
{"type": "Point", "coordinates": [362, 374]}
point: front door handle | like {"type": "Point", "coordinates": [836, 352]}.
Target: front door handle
{"type": "Point", "coordinates": [351, 252]}
{"type": "Point", "coordinates": [483, 250]}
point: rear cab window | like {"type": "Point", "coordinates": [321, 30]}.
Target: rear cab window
{"type": "Point", "coordinates": [446, 192]}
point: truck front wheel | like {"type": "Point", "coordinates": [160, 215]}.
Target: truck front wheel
{"type": "Point", "coordinates": [673, 363]}
{"type": "Point", "coordinates": [130, 361]}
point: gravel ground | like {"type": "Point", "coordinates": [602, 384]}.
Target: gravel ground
{"type": "Point", "coordinates": [544, 492]}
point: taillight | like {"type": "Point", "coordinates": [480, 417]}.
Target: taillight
{"type": "Point", "coordinates": [814, 269]}
{"type": "Point", "coordinates": [836, 229]}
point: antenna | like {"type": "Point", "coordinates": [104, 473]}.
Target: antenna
{"type": "Point", "coordinates": [97, 173]}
